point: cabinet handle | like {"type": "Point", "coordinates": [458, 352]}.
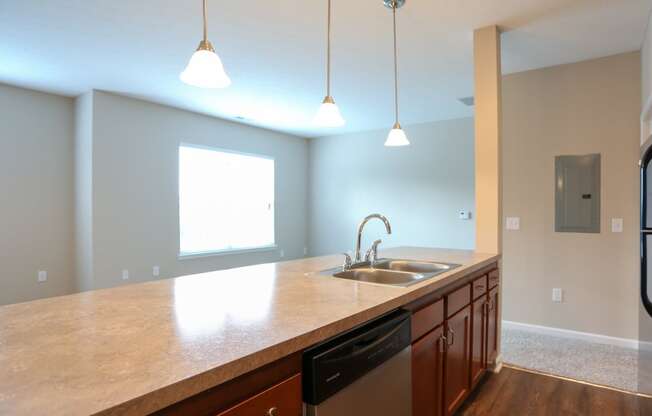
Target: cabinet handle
{"type": "Point", "coordinates": [451, 337]}
{"type": "Point", "coordinates": [491, 305]}
{"type": "Point", "coordinates": [442, 343]}
{"type": "Point", "coordinates": [271, 411]}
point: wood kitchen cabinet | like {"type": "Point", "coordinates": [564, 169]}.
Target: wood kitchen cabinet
{"type": "Point", "coordinates": [279, 400]}
{"type": "Point", "coordinates": [455, 338]}
{"type": "Point", "coordinates": [457, 360]}
{"type": "Point", "coordinates": [428, 373]}
{"type": "Point", "coordinates": [492, 326]}
{"type": "Point", "coordinates": [478, 339]}
{"type": "Point", "coordinates": [272, 390]}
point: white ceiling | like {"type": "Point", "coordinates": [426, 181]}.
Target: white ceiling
{"type": "Point", "coordinates": [274, 51]}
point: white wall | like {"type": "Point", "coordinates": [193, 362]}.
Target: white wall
{"type": "Point", "coordinates": [36, 183]}
{"type": "Point", "coordinates": [135, 187]}
{"type": "Point", "coordinates": [420, 188]}
{"type": "Point", "coordinates": [575, 109]}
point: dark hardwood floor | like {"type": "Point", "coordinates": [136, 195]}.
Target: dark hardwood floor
{"type": "Point", "coordinates": [519, 393]}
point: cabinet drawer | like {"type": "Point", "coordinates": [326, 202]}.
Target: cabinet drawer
{"type": "Point", "coordinates": [479, 287]}
{"type": "Point", "coordinates": [426, 319]}
{"type": "Point", "coordinates": [284, 399]}
{"type": "Point", "coordinates": [458, 299]}
{"type": "Point", "coordinates": [494, 278]}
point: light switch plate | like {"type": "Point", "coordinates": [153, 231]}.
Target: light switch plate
{"type": "Point", "coordinates": [156, 271]}
{"type": "Point", "coordinates": [42, 276]}
{"type": "Point", "coordinates": [616, 225]}
{"type": "Point", "coordinates": [125, 274]}
{"type": "Point", "coordinates": [513, 223]}
{"type": "Point", "coordinates": [465, 215]}
{"type": "Point", "coordinates": [557, 295]}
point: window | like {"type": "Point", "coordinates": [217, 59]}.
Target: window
{"type": "Point", "coordinates": [226, 201]}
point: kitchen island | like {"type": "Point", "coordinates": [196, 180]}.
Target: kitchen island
{"type": "Point", "coordinates": [141, 348]}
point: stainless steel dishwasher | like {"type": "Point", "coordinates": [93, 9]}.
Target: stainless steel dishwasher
{"type": "Point", "coordinates": [366, 371]}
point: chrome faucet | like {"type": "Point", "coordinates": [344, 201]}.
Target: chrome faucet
{"type": "Point", "coordinates": [347, 262]}
{"type": "Point", "coordinates": [372, 253]}
{"type": "Point", "coordinates": [358, 242]}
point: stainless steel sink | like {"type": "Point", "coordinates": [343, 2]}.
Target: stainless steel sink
{"type": "Point", "coordinates": [392, 272]}
{"type": "Point", "coordinates": [414, 266]}
{"type": "Point", "coordinates": [383, 277]}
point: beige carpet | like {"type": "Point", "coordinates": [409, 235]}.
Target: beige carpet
{"type": "Point", "coordinates": [601, 364]}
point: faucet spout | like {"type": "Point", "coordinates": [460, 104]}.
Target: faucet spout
{"type": "Point", "coordinates": [358, 242]}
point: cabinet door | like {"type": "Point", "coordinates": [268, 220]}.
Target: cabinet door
{"type": "Point", "coordinates": [427, 374]}
{"type": "Point", "coordinates": [492, 326]}
{"type": "Point", "coordinates": [280, 400]}
{"type": "Point", "coordinates": [478, 340]}
{"type": "Point", "coordinates": [457, 362]}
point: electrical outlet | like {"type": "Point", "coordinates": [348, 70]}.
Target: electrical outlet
{"type": "Point", "coordinates": [305, 251]}
{"type": "Point", "coordinates": [281, 253]}
{"type": "Point", "coordinates": [156, 271]}
{"type": "Point", "coordinates": [125, 274]}
{"type": "Point", "coordinates": [616, 225]}
{"type": "Point", "coordinates": [557, 295]}
{"type": "Point", "coordinates": [42, 276]}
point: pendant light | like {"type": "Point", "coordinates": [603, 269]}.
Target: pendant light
{"type": "Point", "coordinates": [396, 136]}
{"type": "Point", "coordinates": [205, 69]}
{"type": "Point", "coordinates": [328, 114]}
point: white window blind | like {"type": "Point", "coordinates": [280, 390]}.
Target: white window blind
{"type": "Point", "coordinates": [226, 201]}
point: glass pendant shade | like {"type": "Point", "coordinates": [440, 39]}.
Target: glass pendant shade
{"type": "Point", "coordinates": [205, 69]}
{"type": "Point", "coordinates": [329, 114]}
{"type": "Point", "coordinates": [396, 137]}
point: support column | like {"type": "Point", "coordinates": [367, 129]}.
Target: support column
{"type": "Point", "coordinates": [488, 114]}
{"type": "Point", "coordinates": [488, 175]}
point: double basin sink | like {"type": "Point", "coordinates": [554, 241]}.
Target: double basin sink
{"type": "Point", "coordinates": [392, 272]}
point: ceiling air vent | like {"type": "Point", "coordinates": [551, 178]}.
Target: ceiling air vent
{"type": "Point", "coordinates": [468, 101]}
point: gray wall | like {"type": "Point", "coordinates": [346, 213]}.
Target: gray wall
{"type": "Point", "coordinates": [83, 226]}
{"type": "Point", "coordinates": [36, 183]}
{"type": "Point", "coordinates": [90, 189]}
{"type": "Point", "coordinates": [135, 187]}
{"type": "Point", "coordinates": [420, 188]}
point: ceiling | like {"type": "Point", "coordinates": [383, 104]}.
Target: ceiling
{"type": "Point", "coordinates": [274, 52]}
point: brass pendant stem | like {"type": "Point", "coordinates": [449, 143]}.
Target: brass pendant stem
{"type": "Point", "coordinates": [328, 52]}
{"type": "Point", "coordinates": [395, 66]}
{"type": "Point", "coordinates": [205, 24]}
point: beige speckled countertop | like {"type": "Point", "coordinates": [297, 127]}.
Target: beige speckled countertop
{"type": "Point", "coordinates": [136, 349]}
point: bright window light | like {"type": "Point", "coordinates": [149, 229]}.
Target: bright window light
{"type": "Point", "coordinates": [226, 201]}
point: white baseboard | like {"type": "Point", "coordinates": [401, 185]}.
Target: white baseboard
{"type": "Point", "coordinates": [567, 333]}
{"type": "Point", "coordinates": [498, 365]}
